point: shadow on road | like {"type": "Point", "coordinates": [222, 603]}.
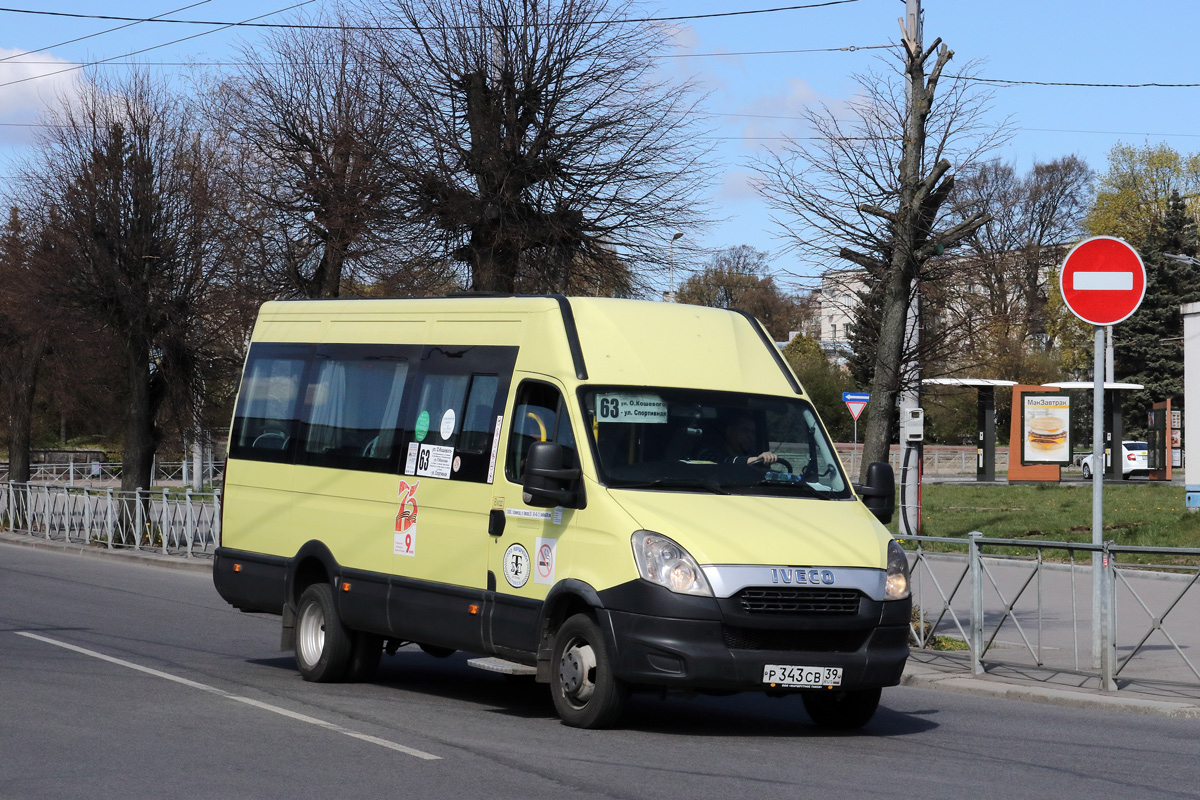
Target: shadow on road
{"type": "Point", "coordinates": [741, 715]}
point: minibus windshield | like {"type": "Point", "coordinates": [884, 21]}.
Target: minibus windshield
{"type": "Point", "coordinates": [672, 440]}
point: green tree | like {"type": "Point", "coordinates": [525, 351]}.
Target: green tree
{"type": "Point", "coordinates": [1143, 352]}
{"type": "Point", "coordinates": [1134, 194]}
{"type": "Point", "coordinates": [738, 277]}
{"type": "Point", "coordinates": [824, 382]}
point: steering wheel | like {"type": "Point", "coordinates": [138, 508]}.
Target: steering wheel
{"type": "Point", "coordinates": [783, 462]}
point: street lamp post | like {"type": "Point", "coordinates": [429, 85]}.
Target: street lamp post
{"type": "Point", "coordinates": [671, 266]}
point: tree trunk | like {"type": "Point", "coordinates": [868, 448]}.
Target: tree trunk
{"type": "Point", "coordinates": [885, 383]}
{"type": "Point", "coordinates": [20, 417]}
{"type": "Point", "coordinates": [21, 390]}
{"type": "Point", "coordinates": [141, 437]}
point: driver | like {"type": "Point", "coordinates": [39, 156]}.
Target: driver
{"type": "Point", "coordinates": [739, 445]}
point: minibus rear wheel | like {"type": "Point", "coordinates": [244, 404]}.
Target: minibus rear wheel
{"type": "Point", "coordinates": [585, 691]}
{"type": "Point", "coordinates": [323, 645]}
{"type": "Point", "coordinates": [842, 709]}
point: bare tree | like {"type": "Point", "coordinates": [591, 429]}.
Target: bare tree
{"type": "Point", "coordinates": [872, 189]}
{"type": "Point", "coordinates": [311, 126]}
{"type": "Point", "coordinates": [541, 135]}
{"type": "Point", "coordinates": [1006, 263]}
{"type": "Point", "coordinates": [122, 170]}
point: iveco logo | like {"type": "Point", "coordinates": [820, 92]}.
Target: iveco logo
{"type": "Point", "coordinates": [810, 577]}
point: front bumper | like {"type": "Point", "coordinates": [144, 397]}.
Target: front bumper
{"type": "Point", "coordinates": [725, 649]}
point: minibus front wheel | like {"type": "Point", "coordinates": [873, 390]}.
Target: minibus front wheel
{"type": "Point", "coordinates": [323, 645]}
{"type": "Point", "coordinates": [585, 691]}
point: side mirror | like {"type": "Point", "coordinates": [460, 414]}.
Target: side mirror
{"type": "Point", "coordinates": [547, 482]}
{"type": "Point", "coordinates": [879, 492]}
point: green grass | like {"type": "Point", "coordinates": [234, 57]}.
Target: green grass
{"type": "Point", "coordinates": [1138, 513]}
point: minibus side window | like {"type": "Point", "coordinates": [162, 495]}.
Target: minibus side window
{"type": "Point", "coordinates": [476, 436]}
{"type": "Point", "coordinates": [352, 409]}
{"type": "Point", "coordinates": [265, 424]}
{"type": "Point", "coordinates": [450, 420]}
{"type": "Point", "coordinates": [540, 416]}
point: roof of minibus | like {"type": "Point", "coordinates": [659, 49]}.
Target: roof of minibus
{"type": "Point", "coordinates": [626, 342]}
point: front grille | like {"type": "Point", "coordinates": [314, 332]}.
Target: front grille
{"type": "Point", "coordinates": [812, 641]}
{"type": "Point", "coordinates": [799, 600]}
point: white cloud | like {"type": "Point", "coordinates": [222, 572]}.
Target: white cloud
{"type": "Point", "coordinates": [736, 185]}
{"type": "Point", "coordinates": [769, 117]}
{"type": "Point", "coordinates": [681, 63]}
{"type": "Point", "coordinates": [32, 88]}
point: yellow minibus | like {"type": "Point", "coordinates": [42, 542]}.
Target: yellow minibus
{"type": "Point", "coordinates": [608, 495]}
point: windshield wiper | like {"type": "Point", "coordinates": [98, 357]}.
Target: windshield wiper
{"type": "Point", "coordinates": [675, 483]}
{"type": "Point", "coordinates": [802, 486]}
{"type": "Point", "coordinates": [806, 488]}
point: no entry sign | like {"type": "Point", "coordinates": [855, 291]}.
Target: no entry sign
{"type": "Point", "coordinates": [1103, 280]}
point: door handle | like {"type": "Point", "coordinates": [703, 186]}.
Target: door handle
{"type": "Point", "coordinates": [496, 522]}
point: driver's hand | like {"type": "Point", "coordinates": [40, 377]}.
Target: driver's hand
{"type": "Point", "coordinates": [766, 457]}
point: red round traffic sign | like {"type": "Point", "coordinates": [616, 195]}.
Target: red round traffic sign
{"type": "Point", "coordinates": [1103, 280]}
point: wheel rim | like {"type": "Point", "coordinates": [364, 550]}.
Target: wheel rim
{"type": "Point", "coordinates": [311, 637]}
{"type": "Point", "coordinates": [577, 672]}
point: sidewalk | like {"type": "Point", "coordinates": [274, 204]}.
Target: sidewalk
{"type": "Point", "coordinates": [926, 669]}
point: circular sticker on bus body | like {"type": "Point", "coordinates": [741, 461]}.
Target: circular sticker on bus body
{"type": "Point", "coordinates": [516, 566]}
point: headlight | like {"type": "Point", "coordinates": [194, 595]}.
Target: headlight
{"type": "Point", "coordinates": [661, 561]}
{"type": "Point", "coordinates": [897, 572]}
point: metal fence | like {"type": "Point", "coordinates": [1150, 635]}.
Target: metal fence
{"type": "Point", "coordinates": [1007, 604]}
{"type": "Point", "coordinates": [184, 523]}
{"type": "Point", "coordinates": [936, 461]}
{"type": "Point", "coordinates": [100, 472]}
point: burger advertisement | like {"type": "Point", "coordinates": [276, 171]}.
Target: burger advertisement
{"type": "Point", "coordinates": [1046, 433]}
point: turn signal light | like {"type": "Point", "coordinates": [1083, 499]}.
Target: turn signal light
{"type": "Point", "coordinates": [237, 567]}
{"type": "Point", "coordinates": [473, 609]}
{"type": "Point", "coordinates": [345, 587]}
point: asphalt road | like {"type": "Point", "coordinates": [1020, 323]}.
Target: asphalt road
{"type": "Point", "coordinates": [121, 680]}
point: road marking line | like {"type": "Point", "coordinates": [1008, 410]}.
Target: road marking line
{"type": "Point", "coordinates": [1102, 281]}
{"type": "Point", "coordinates": [320, 723]}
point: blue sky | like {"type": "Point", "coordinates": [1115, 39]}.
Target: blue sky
{"type": "Point", "coordinates": [1073, 41]}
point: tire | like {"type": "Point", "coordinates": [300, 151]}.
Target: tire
{"type": "Point", "coordinates": [323, 645]}
{"type": "Point", "coordinates": [365, 653]}
{"type": "Point", "coordinates": [843, 710]}
{"type": "Point", "coordinates": [1087, 472]}
{"type": "Point", "coordinates": [586, 693]}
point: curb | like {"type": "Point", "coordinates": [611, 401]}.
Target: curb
{"type": "Point", "coordinates": [924, 678]}
{"type": "Point", "coordinates": [141, 557]}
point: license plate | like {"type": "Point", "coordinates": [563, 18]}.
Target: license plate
{"type": "Point", "coordinates": [788, 675]}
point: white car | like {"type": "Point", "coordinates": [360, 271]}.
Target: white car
{"type": "Point", "coordinates": [1133, 460]}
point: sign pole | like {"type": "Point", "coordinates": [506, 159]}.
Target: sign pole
{"type": "Point", "coordinates": [857, 458]}
{"type": "Point", "coordinates": [1097, 493]}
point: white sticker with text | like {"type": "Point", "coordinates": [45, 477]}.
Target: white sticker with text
{"type": "Point", "coordinates": [435, 461]}
{"type": "Point", "coordinates": [629, 407]}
